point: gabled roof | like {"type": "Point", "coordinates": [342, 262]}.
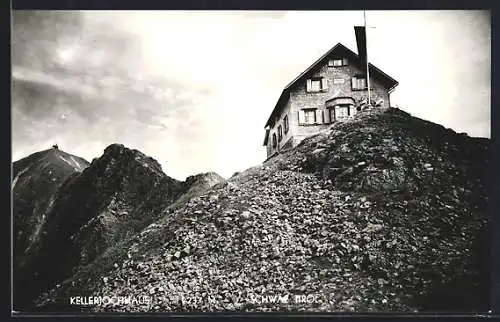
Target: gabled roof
{"type": "Point", "coordinates": [375, 72]}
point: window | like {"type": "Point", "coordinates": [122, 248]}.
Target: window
{"type": "Point", "coordinates": [341, 112]}
{"type": "Point", "coordinates": [285, 124]}
{"type": "Point", "coordinates": [358, 82]}
{"type": "Point", "coordinates": [280, 133]}
{"type": "Point", "coordinates": [316, 85]}
{"type": "Point", "coordinates": [309, 116]}
{"type": "Point", "coordinates": [275, 143]}
{"type": "Point", "coordinates": [337, 62]}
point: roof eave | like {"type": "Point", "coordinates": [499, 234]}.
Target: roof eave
{"type": "Point", "coordinates": [391, 81]}
{"type": "Point", "coordinates": [393, 87]}
{"type": "Point", "coordinates": [313, 65]}
{"type": "Point", "coordinates": [277, 106]}
{"type": "Point", "coordinates": [350, 52]}
{"type": "Point", "coordinates": [389, 78]}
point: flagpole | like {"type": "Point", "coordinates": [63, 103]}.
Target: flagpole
{"type": "Point", "coordinates": [367, 64]}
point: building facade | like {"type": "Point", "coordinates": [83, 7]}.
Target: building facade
{"type": "Point", "coordinates": [327, 92]}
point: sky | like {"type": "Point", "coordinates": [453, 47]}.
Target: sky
{"type": "Point", "coordinates": [194, 89]}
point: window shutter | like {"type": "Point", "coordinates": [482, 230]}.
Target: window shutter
{"type": "Point", "coordinates": [319, 117]}
{"type": "Point", "coordinates": [327, 116]}
{"type": "Point", "coordinates": [344, 61]}
{"type": "Point", "coordinates": [324, 84]}
{"type": "Point", "coordinates": [352, 110]}
{"type": "Point", "coordinates": [308, 85]}
{"type": "Point", "coordinates": [353, 83]}
{"type": "Point", "coordinates": [338, 113]}
{"type": "Point", "coordinates": [302, 117]}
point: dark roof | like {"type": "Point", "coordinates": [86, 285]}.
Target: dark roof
{"type": "Point", "coordinates": [390, 82]}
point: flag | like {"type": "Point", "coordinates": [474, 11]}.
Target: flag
{"type": "Point", "coordinates": [360, 32]}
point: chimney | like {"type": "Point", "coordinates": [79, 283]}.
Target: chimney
{"type": "Point", "coordinates": [360, 32]}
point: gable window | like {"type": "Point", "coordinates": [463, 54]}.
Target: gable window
{"type": "Point", "coordinates": [275, 142]}
{"type": "Point", "coordinates": [285, 124]}
{"type": "Point", "coordinates": [280, 133]}
{"type": "Point", "coordinates": [358, 82]}
{"type": "Point", "coordinates": [318, 84]}
{"type": "Point", "coordinates": [315, 85]}
{"type": "Point", "coordinates": [337, 62]}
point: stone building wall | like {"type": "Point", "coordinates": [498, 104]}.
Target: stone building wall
{"type": "Point", "coordinates": [338, 81]}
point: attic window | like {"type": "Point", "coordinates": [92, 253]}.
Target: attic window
{"type": "Point", "coordinates": [315, 85]}
{"type": "Point", "coordinates": [275, 143]}
{"type": "Point", "coordinates": [285, 123]}
{"type": "Point", "coordinates": [280, 133]}
{"type": "Point", "coordinates": [337, 62]}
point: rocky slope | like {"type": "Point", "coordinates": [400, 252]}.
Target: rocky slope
{"type": "Point", "coordinates": [383, 212]}
{"type": "Point", "coordinates": [35, 182]}
{"type": "Point", "coordinates": [112, 199]}
{"type": "Point", "coordinates": [196, 185]}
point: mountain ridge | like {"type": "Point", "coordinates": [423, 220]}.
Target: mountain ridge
{"type": "Point", "coordinates": [90, 209]}
{"type": "Point", "coordinates": [53, 168]}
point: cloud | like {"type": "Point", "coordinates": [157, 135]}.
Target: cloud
{"type": "Point", "coordinates": [72, 93]}
{"type": "Point", "coordinates": [194, 89]}
{"type": "Point", "coordinates": [442, 62]}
